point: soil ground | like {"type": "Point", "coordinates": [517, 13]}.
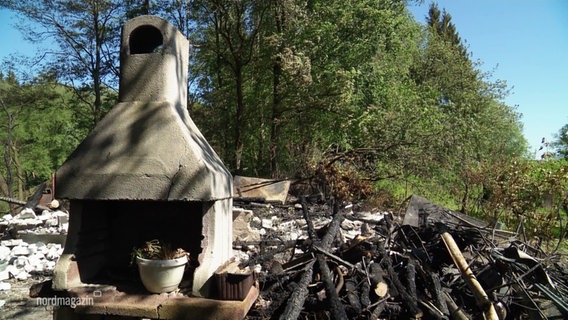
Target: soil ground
{"type": "Point", "coordinates": [18, 303]}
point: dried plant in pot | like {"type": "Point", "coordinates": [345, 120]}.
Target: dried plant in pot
{"type": "Point", "coordinates": [160, 267]}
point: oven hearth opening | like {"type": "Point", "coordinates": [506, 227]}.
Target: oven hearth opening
{"type": "Point", "coordinates": [110, 230]}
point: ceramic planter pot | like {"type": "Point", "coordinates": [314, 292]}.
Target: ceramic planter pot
{"type": "Point", "coordinates": [160, 276]}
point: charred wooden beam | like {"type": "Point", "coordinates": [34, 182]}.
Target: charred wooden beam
{"type": "Point", "coordinates": [409, 302]}
{"type": "Point", "coordinates": [411, 280]}
{"type": "Point", "coordinates": [438, 294]}
{"type": "Point", "coordinates": [298, 296]}
{"type": "Point", "coordinates": [353, 295]}
{"type": "Point", "coordinates": [337, 308]}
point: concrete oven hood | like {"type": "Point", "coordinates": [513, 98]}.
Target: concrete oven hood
{"type": "Point", "coordinates": [144, 151]}
{"type": "Point", "coordinates": [147, 147]}
{"type": "Point", "coordinates": [145, 169]}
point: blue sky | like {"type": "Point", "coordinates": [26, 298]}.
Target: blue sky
{"type": "Point", "coordinates": [524, 42]}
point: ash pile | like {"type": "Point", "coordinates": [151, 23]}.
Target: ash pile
{"type": "Point", "coordinates": [330, 261]}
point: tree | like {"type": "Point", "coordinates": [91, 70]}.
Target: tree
{"type": "Point", "coordinates": [38, 131]}
{"type": "Point", "coordinates": [227, 37]}
{"type": "Point", "coordinates": [441, 23]}
{"type": "Point", "coordinates": [85, 34]}
{"type": "Point", "coordinates": [561, 142]}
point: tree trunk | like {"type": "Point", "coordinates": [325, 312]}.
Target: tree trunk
{"type": "Point", "coordinates": [239, 144]}
{"type": "Point", "coordinates": [96, 74]}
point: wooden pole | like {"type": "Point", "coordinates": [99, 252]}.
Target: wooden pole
{"type": "Point", "coordinates": [480, 296]}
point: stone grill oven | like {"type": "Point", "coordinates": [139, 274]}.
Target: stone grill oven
{"type": "Point", "coordinates": [144, 172]}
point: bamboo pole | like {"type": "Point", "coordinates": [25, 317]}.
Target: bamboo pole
{"type": "Point", "coordinates": [480, 296]}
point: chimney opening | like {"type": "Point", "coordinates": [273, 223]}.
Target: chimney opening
{"type": "Point", "coordinates": [145, 39]}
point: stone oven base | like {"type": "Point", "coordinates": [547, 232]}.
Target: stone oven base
{"type": "Point", "coordinates": [94, 304]}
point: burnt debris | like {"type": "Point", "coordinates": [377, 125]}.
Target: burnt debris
{"type": "Point", "coordinates": [431, 263]}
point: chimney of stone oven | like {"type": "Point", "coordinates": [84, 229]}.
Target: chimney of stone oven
{"type": "Point", "coordinates": [145, 150]}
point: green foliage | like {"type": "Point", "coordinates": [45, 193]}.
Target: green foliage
{"type": "Point", "coordinates": [354, 93]}
{"type": "Point", "coordinates": [561, 142]}
{"type": "Point", "coordinates": [520, 190]}
{"type": "Point", "coordinates": [84, 44]}
{"type": "Point", "coordinates": [38, 133]}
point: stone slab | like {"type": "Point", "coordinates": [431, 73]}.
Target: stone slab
{"type": "Point", "coordinates": [30, 237]}
{"type": "Point", "coordinates": [156, 306]}
{"type": "Point", "coordinates": [256, 188]}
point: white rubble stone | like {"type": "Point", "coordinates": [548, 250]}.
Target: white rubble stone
{"type": "Point", "coordinates": [242, 230]}
{"type": "Point", "coordinates": [52, 222]}
{"type": "Point", "coordinates": [29, 268]}
{"type": "Point", "coordinates": [20, 262]}
{"type": "Point", "coordinates": [52, 254]}
{"type": "Point", "coordinates": [371, 216]}
{"type": "Point", "coordinates": [4, 252]}
{"type": "Point", "coordinates": [44, 250]}
{"type": "Point", "coordinates": [32, 247]}
{"type": "Point", "coordinates": [262, 231]}
{"type": "Point", "coordinates": [39, 268]}
{"type": "Point", "coordinates": [34, 260]}
{"type": "Point", "coordinates": [12, 270]}
{"type": "Point", "coordinates": [11, 242]}
{"type": "Point", "coordinates": [350, 234]}
{"type": "Point", "coordinates": [23, 275]}
{"type": "Point", "coordinates": [4, 275]}
{"type": "Point", "coordinates": [267, 223]}
{"type": "Point", "coordinates": [34, 222]}
{"type": "Point", "coordinates": [26, 213]}
{"type": "Point", "coordinates": [7, 217]}
{"type": "Point", "coordinates": [26, 223]}
{"type": "Point", "coordinates": [347, 225]}
{"type": "Point", "coordinates": [49, 265]}
{"type": "Point", "coordinates": [295, 235]}
{"type": "Point", "coordinates": [57, 246]}
{"type": "Point", "coordinates": [320, 223]}
{"type": "Point", "coordinates": [20, 251]}
{"type": "Point", "coordinates": [2, 303]}
{"type": "Point", "coordinates": [38, 255]}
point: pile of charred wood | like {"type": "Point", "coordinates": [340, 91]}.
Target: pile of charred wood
{"type": "Point", "coordinates": [436, 264]}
